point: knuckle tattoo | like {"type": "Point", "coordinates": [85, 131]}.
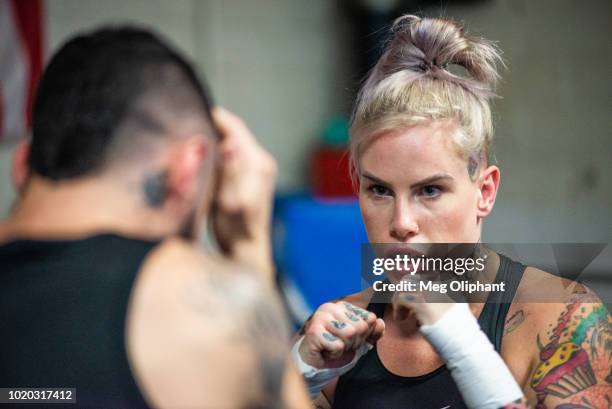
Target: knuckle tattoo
{"type": "Point", "coordinates": [351, 317]}
{"type": "Point", "coordinates": [357, 311]}
{"type": "Point", "coordinates": [329, 337]}
{"type": "Point", "coordinates": [338, 324]}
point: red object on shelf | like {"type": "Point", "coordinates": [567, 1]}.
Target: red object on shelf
{"type": "Point", "coordinates": [21, 40]}
{"type": "Point", "coordinates": [330, 173]}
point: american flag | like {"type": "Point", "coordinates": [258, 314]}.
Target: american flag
{"type": "Point", "coordinates": [20, 64]}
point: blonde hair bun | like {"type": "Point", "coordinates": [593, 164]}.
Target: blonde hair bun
{"type": "Point", "coordinates": [431, 69]}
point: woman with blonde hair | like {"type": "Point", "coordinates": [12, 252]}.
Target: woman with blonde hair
{"type": "Point", "coordinates": [420, 141]}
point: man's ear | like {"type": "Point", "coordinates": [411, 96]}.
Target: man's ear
{"type": "Point", "coordinates": [488, 187]}
{"type": "Point", "coordinates": [19, 170]}
{"type": "Point", "coordinates": [185, 168]}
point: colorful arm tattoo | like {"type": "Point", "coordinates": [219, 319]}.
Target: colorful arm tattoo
{"type": "Point", "coordinates": [574, 369]}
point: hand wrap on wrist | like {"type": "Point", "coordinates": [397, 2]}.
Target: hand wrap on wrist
{"type": "Point", "coordinates": [484, 380]}
{"type": "Point", "coordinates": [316, 378]}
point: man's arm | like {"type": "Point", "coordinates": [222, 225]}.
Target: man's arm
{"type": "Point", "coordinates": [243, 197]}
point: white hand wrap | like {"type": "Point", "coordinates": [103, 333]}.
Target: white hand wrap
{"type": "Point", "coordinates": [484, 380]}
{"type": "Point", "coordinates": [315, 378]}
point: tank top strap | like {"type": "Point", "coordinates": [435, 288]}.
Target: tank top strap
{"type": "Point", "coordinates": [377, 308]}
{"type": "Point", "coordinates": [493, 315]}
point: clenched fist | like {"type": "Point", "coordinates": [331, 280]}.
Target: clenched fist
{"type": "Point", "coordinates": [414, 303]}
{"type": "Point", "coordinates": [336, 331]}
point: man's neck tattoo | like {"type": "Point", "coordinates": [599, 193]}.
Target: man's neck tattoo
{"type": "Point", "coordinates": [155, 188]}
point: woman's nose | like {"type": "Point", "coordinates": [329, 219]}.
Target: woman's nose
{"type": "Point", "coordinates": [404, 224]}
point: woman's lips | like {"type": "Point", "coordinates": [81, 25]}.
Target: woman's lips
{"type": "Point", "coordinates": [394, 251]}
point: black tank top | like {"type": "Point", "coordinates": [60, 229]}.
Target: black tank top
{"type": "Point", "coordinates": [62, 317]}
{"type": "Point", "coordinates": [369, 385]}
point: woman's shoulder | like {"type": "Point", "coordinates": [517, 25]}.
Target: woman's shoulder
{"type": "Point", "coordinates": [543, 299]}
{"type": "Point", "coordinates": [539, 286]}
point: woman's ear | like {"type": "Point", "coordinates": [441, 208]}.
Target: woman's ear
{"type": "Point", "coordinates": [488, 187]}
{"type": "Point", "coordinates": [19, 170]}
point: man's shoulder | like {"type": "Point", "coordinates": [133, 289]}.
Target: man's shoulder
{"type": "Point", "coordinates": [192, 314]}
{"type": "Point", "coordinates": [182, 278]}
{"type": "Point", "coordinates": [177, 258]}
{"type": "Point", "coordinates": [177, 252]}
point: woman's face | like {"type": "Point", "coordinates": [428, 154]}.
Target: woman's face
{"type": "Point", "coordinates": [415, 188]}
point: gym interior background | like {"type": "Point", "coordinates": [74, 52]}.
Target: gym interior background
{"type": "Point", "coordinates": [291, 69]}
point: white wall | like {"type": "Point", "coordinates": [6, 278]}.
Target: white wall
{"type": "Point", "coordinates": [281, 64]}
{"type": "Point", "coordinates": [554, 134]}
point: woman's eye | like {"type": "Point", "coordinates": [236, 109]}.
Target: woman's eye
{"type": "Point", "coordinates": [379, 190]}
{"type": "Point", "coordinates": [431, 191]}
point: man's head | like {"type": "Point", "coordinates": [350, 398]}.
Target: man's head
{"type": "Point", "coordinates": [118, 104]}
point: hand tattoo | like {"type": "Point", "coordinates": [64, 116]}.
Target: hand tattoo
{"type": "Point", "coordinates": [357, 311]}
{"type": "Point", "coordinates": [514, 321]}
{"type": "Point", "coordinates": [351, 316]}
{"type": "Point", "coordinates": [338, 324]}
{"type": "Point", "coordinates": [329, 337]}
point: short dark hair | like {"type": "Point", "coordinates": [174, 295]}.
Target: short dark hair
{"type": "Point", "coordinates": [94, 85]}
